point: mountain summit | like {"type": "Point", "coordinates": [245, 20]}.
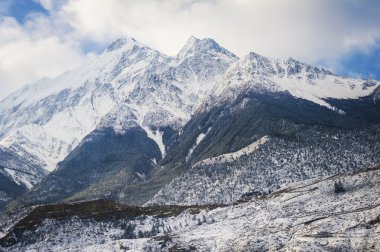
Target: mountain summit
{"type": "Point", "coordinates": [198, 46]}
{"type": "Point", "coordinates": [122, 42]}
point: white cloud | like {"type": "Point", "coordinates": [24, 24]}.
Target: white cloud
{"type": "Point", "coordinates": [25, 57]}
{"type": "Point", "coordinates": [299, 28]}
{"type": "Point", "coordinates": [312, 31]}
{"type": "Point", "coordinates": [47, 4]}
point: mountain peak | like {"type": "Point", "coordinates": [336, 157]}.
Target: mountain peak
{"type": "Point", "coordinates": [255, 56]}
{"type": "Point", "coordinates": [121, 42]}
{"type": "Point", "coordinates": [194, 46]}
{"type": "Point", "coordinates": [188, 46]}
{"type": "Point", "coordinates": [296, 66]}
{"type": "Point", "coordinates": [191, 40]}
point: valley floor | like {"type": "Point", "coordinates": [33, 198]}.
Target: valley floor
{"type": "Point", "coordinates": [313, 215]}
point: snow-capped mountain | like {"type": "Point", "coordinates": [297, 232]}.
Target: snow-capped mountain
{"type": "Point", "coordinates": [50, 117]}
{"type": "Point", "coordinates": [273, 122]}
{"type": "Point", "coordinates": [260, 96]}
{"type": "Point", "coordinates": [53, 115]}
{"type": "Point", "coordinates": [299, 79]}
{"type": "Point", "coordinates": [110, 121]}
{"type": "Point", "coordinates": [128, 87]}
{"type": "Point", "coordinates": [204, 127]}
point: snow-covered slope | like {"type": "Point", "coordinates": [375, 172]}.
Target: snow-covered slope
{"type": "Point", "coordinates": [267, 164]}
{"type": "Point", "coordinates": [313, 215]}
{"type": "Point", "coordinates": [50, 117]}
{"type": "Point", "coordinates": [299, 79]}
{"type": "Point", "coordinates": [17, 174]}
{"type": "Point", "coordinates": [53, 115]}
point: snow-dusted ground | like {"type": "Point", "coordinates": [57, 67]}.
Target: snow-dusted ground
{"type": "Point", "coordinates": [304, 216]}
{"type": "Point", "coordinates": [308, 216]}
{"type": "Point", "coordinates": [275, 163]}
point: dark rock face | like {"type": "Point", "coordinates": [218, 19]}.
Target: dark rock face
{"type": "Point", "coordinates": [253, 115]}
{"type": "Point", "coordinates": [9, 189]}
{"type": "Point", "coordinates": [102, 166]}
{"type": "Point", "coordinates": [12, 167]}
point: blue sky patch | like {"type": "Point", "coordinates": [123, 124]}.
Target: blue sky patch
{"type": "Point", "coordinates": [20, 9]}
{"type": "Point", "coordinates": [364, 64]}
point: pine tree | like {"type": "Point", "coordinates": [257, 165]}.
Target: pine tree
{"type": "Point", "coordinates": [338, 187]}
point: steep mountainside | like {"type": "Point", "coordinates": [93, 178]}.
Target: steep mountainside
{"type": "Point", "coordinates": [17, 175]}
{"type": "Point", "coordinates": [303, 122]}
{"type": "Point", "coordinates": [294, 140]}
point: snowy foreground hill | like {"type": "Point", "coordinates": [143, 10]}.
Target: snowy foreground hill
{"type": "Point", "coordinates": [334, 213]}
{"type": "Point", "coordinates": [203, 151]}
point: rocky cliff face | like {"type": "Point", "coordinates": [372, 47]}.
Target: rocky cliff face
{"type": "Point", "coordinates": [17, 175]}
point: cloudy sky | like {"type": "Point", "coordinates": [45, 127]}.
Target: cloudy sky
{"type": "Point", "coordinates": [42, 38]}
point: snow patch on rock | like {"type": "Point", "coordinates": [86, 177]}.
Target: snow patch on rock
{"type": "Point", "coordinates": [229, 157]}
{"type": "Point", "coordinates": [199, 139]}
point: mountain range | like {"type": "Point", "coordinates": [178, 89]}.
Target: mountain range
{"type": "Point", "coordinates": [204, 127]}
